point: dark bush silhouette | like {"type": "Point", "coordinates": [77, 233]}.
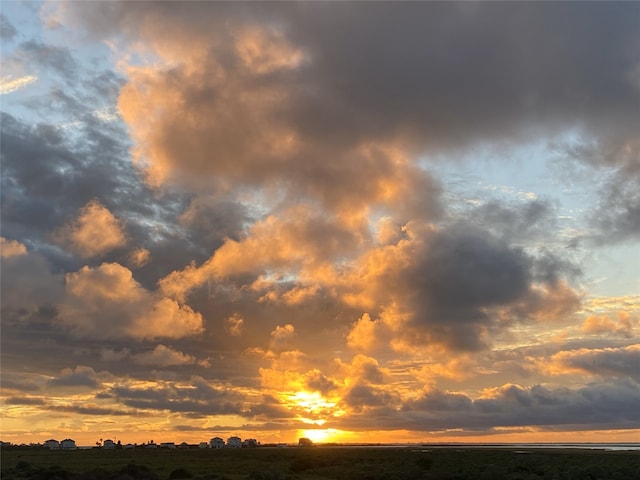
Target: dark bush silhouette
{"type": "Point", "coordinates": [180, 473]}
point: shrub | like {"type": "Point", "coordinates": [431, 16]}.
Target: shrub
{"type": "Point", "coordinates": [180, 473]}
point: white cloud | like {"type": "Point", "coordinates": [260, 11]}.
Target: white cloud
{"type": "Point", "coordinates": [8, 84]}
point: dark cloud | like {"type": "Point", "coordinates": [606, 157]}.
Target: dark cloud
{"type": "Point", "coordinates": [198, 398]}
{"type": "Point", "coordinates": [25, 400]}
{"type": "Point", "coordinates": [7, 30]}
{"type": "Point", "coordinates": [617, 216]}
{"type": "Point", "coordinates": [523, 223]}
{"type": "Point", "coordinates": [58, 59]}
{"type": "Point", "coordinates": [95, 410]}
{"type": "Point", "coordinates": [269, 407]}
{"type": "Point", "coordinates": [81, 376]}
{"type": "Point", "coordinates": [621, 362]}
{"type": "Point", "coordinates": [462, 273]}
{"type": "Point", "coordinates": [360, 397]}
{"type": "Point", "coordinates": [600, 406]}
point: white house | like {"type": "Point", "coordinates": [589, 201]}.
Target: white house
{"type": "Point", "coordinates": [68, 444]}
{"type": "Point", "coordinates": [52, 444]}
{"type": "Point", "coordinates": [204, 445]}
{"type": "Point", "coordinates": [234, 442]}
{"type": "Point", "coordinates": [216, 442]}
{"type": "Point", "coordinates": [109, 444]}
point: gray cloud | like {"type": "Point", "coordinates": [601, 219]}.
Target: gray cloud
{"type": "Point", "coordinates": [81, 376]}
{"type": "Point", "coordinates": [600, 406]}
{"type": "Point", "coordinates": [7, 30]}
{"type": "Point", "coordinates": [58, 59]}
{"type": "Point", "coordinates": [620, 362]}
{"type": "Point", "coordinates": [199, 398]}
{"type": "Point", "coordinates": [462, 273]}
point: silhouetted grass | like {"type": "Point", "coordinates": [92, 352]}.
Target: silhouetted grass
{"type": "Point", "coordinates": [320, 463]}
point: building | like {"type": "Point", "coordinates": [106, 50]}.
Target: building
{"type": "Point", "coordinates": [109, 444]}
{"type": "Point", "coordinates": [169, 445]}
{"type": "Point", "coordinates": [234, 442]}
{"type": "Point", "coordinates": [216, 442]}
{"type": "Point", "coordinates": [68, 444]}
{"type": "Point", "coordinates": [204, 444]}
{"type": "Point", "coordinates": [52, 444]}
{"type": "Point", "coordinates": [249, 443]}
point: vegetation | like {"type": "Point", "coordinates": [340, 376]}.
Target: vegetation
{"type": "Point", "coordinates": [319, 463]}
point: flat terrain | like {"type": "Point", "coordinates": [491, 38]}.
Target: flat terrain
{"type": "Point", "coordinates": [321, 463]}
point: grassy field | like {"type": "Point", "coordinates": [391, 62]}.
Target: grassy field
{"type": "Point", "coordinates": [319, 463]}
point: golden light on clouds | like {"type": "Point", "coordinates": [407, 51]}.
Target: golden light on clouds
{"type": "Point", "coordinates": [307, 220]}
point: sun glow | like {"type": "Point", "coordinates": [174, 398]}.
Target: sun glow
{"type": "Point", "coordinates": [311, 402]}
{"type": "Point", "coordinates": [321, 435]}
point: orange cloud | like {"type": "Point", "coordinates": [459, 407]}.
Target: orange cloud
{"type": "Point", "coordinates": [107, 302]}
{"type": "Point", "coordinates": [139, 257]}
{"type": "Point", "coordinates": [11, 248]}
{"type": "Point", "coordinates": [94, 232]}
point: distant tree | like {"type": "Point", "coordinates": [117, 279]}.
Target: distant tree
{"type": "Point", "coordinates": [305, 442]}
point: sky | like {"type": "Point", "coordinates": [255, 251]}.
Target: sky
{"type": "Point", "coordinates": [352, 222]}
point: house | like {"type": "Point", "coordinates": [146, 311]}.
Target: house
{"type": "Point", "coordinates": [68, 444]}
{"type": "Point", "coordinates": [169, 445]}
{"type": "Point", "coordinates": [204, 444]}
{"type": "Point", "coordinates": [52, 444]}
{"type": "Point", "coordinates": [234, 442]}
{"type": "Point", "coordinates": [109, 444]}
{"type": "Point", "coordinates": [249, 443]}
{"type": "Point", "coordinates": [216, 442]}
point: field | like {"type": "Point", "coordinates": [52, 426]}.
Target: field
{"type": "Point", "coordinates": [320, 463]}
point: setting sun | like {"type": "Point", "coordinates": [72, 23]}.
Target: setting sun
{"type": "Point", "coordinates": [323, 435]}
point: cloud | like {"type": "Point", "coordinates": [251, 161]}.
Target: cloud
{"type": "Point", "coordinates": [163, 356]}
{"type": "Point", "coordinates": [107, 302]}
{"type": "Point", "coordinates": [195, 396]}
{"type": "Point", "coordinates": [7, 30]}
{"type": "Point", "coordinates": [94, 232]}
{"type": "Point", "coordinates": [81, 376]}
{"type": "Point", "coordinates": [281, 337]}
{"type": "Point", "coordinates": [139, 257]}
{"type": "Point", "coordinates": [399, 80]}
{"type": "Point", "coordinates": [11, 248]}
{"type": "Point", "coordinates": [235, 324]}
{"type": "Point", "coordinates": [600, 406]}
{"type": "Point", "coordinates": [622, 362]}
{"type": "Point", "coordinates": [624, 325]}
{"type": "Point", "coordinates": [50, 57]}
{"type": "Point", "coordinates": [8, 84]}
{"type": "Point", "coordinates": [27, 280]}
{"type": "Point", "coordinates": [452, 287]}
